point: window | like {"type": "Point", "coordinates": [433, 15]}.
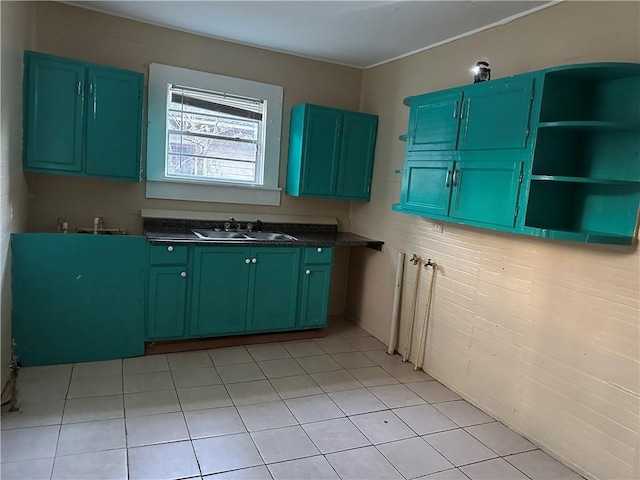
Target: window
{"type": "Point", "coordinates": [212, 138]}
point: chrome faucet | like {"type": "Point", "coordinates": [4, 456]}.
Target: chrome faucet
{"type": "Point", "coordinates": [227, 225]}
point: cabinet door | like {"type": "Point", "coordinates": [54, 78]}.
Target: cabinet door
{"type": "Point", "coordinates": [274, 283]}
{"type": "Point", "coordinates": [434, 120]}
{"type": "Point", "coordinates": [314, 297]}
{"type": "Point", "coordinates": [114, 116]}
{"type": "Point", "coordinates": [496, 115]}
{"type": "Point", "coordinates": [486, 192]}
{"type": "Point", "coordinates": [426, 187]}
{"type": "Point", "coordinates": [54, 105]}
{"type": "Point", "coordinates": [356, 158]}
{"type": "Point", "coordinates": [166, 302]}
{"type": "Point", "coordinates": [219, 290]}
{"type": "Point", "coordinates": [321, 151]}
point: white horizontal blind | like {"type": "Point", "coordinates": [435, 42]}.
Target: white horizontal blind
{"type": "Point", "coordinates": [214, 136]}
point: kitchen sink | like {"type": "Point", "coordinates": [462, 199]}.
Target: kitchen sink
{"type": "Point", "coordinates": [241, 235]}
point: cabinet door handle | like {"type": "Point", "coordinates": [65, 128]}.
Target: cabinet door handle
{"type": "Point", "coordinates": [79, 88]}
{"type": "Point", "coordinates": [183, 274]}
{"type": "Point", "coordinates": [447, 181]}
{"type": "Point", "coordinates": [90, 89]}
{"type": "Point", "coordinates": [455, 109]}
{"type": "Point", "coordinates": [246, 260]}
{"type": "Point", "coordinates": [307, 272]}
{"type": "Point", "coordinates": [254, 260]}
{"type": "Point", "coordinates": [455, 177]}
{"type": "Point", "coordinates": [170, 248]}
{"type": "Point", "coordinates": [319, 250]}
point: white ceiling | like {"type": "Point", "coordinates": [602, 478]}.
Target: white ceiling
{"type": "Point", "coordinates": [356, 33]}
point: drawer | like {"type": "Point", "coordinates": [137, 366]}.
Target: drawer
{"type": "Point", "coordinates": [318, 254]}
{"type": "Point", "coordinates": [168, 254]}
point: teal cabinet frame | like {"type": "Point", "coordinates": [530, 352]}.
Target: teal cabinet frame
{"type": "Point", "coordinates": [81, 119]}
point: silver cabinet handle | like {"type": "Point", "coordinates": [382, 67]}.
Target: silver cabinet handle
{"type": "Point", "coordinates": [308, 272]}
{"type": "Point", "coordinates": [183, 274]}
{"type": "Point", "coordinates": [319, 250]}
{"type": "Point", "coordinates": [91, 89]}
{"type": "Point", "coordinates": [455, 109]}
{"type": "Point", "coordinates": [247, 260]}
{"type": "Point", "coordinates": [170, 248]}
{"type": "Point", "coordinates": [79, 88]}
{"type": "Point", "coordinates": [254, 260]}
{"type": "Point", "coordinates": [447, 181]}
{"type": "Point", "coordinates": [455, 177]}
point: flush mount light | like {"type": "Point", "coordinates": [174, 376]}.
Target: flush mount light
{"type": "Point", "coordinates": [481, 72]}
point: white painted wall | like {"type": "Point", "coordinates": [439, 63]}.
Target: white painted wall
{"type": "Point", "coordinates": [16, 32]}
{"type": "Point", "coordinates": [543, 335]}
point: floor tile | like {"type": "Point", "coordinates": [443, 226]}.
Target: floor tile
{"type": "Point", "coordinates": [362, 463]}
{"type": "Point", "coordinates": [196, 359]}
{"type": "Point", "coordinates": [463, 413]}
{"type": "Point", "coordinates": [150, 403]}
{"type": "Point", "coordinates": [496, 469]}
{"type": "Point", "coordinates": [303, 349]}
{"type": "Point", "coordinates": [500, 439]}
{"type": "Point", "coordinates": [253, 473]}
{"type": "Point", "coordinates": [152, 429]}
{"type": "Point", "coordinates": [229, 356]}
{"type": "Point", "coordinates": [396, 396]}
{"type": "Point", "coordinates": [34, 414]}
{"type": "Point", "coordinates": [335, 435]}
{"type": "Point", "coordinates": [92, 466]}
{"type": "Point", "coordinates": [298, 386]}
{"type": "Point", "coordinates": [285, 367]}
{"type": "Point", "coordinates": [267, 351]}
{"type": "Point", "coordinates": [353, 360]}
{"type": "Point", "coordinates": [40, 390]}
{"type": "Point", "coordinates": [199, 398]}
{"type": "Point", "coordinates": [93, 408]}
{"type": "Point", "coordinates": [146, 363]}
{"type": "Point", "coordinates": [266, 415]}
{"type": "Point", "coordinates": [372, 376]}
{"type": "Point", "coordinates": [318, 363]}
{"type": "Point", "coordinates": [282, 444]}
{"type": "Point", "coordinates": [29, 443]}
{"type": "Point", "coordinates": [366, 343]}
{"type": "Point", "coordinates": [99, 386]}
{"type": "Point", "coordinates": [214, 422]}
{"type": "Point", "coordinates": [195, 377]}
{"type": "Point", "coordinates": [349, 329]}
{"type": "Point", "coordinates": [147, 382]}
{"type": "Point", "coordinates": [335, 345]}
{"type": "Point", "coordinates": [241, 372]}
{"type": "Point", "coordinates": [414, 457]}
{"type": "Point", "coordinates": [311, 468]}
{"type": "Point", "coordinates": [360, 400]}
{"type": "Point", "coordinates": [452, 474]}
{"type": "Point", "coordinates": [433, 391]}
{"type": "Point", "coordinates": [424, 419]}
{"type": "Point", "coordinates": [404, 373]}
{"type": "Point", "coordinates": [381, 357]}
{"type": "Point", "coordinates": [39, 469]}
{"type": "Point", "coordinates": [382, 427]}
{"type": "Point", "coordinates": [163, 462]}
{"type": "Point", "coordinates": [459, 447]}
{"type": "Point", "coordinates": [89, 437]}
{"type": "Point", "coordinates": [537, 465]}
{"type": "Point", "coordinates": [336, 381]}
{"type": "Point", "coordinates": [59, 373]}
{"type": "Point", "coordinates": [247, 393]}
{"type": "Point", "coordinates": [313, 408]}
{"type": "Point", "coordinates": [229, 452]}
{"type": "Point", "coordinates": [104, 368]}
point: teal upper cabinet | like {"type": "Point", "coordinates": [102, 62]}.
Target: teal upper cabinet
{"type": "Point", "coordinates": [485, 116]}
{"type": "Point", "coordinates": [330, 153]}
{"type": "Point", "coordinates": [553, 153]}
{"type": "Point", "coordinates": [81, 119]}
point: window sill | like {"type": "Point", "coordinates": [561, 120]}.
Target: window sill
{"type": "Point", "coordinates": [219, 193]}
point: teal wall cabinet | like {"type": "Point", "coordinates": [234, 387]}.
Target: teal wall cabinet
{"type": "Point", "coordinates": [330, 153]}
{"type": "Point", "coordinates": [81, 119]}
{"type": "Point", "coordinates": [552, 153]}
{"type": "Point", "coordinates": [315, 286]}
{"type": "Point", "coordinates": [77, 298]}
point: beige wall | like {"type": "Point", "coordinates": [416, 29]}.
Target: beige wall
{"type": "Point", "coordinates": [94, 37]}
{"type": "Point", "coordinates": [543, 335]}
{"type": "Point", "coordinates": [16, 35]}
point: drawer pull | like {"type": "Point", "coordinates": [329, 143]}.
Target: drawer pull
{"type": "Point", "coordinates": [319, 250]}
{"type": "Point", "coordinates": [170, 248]}
{"type": "Point", "coordinates": [183, 274]}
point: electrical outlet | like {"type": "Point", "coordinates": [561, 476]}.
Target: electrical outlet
{"type": "Point", "coordinates": [438, 227]}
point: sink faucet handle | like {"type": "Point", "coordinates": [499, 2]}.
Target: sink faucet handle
{"type": "Point", "coordinates": [259, 225]}
{"type": "Point", "coordinates": [249, 226]}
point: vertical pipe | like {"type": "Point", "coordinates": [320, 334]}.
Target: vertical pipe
{"type": "Point", "coordinates": [409, 340]}
{"type": "Point", "coordinates": [425, 326]}
{"type": "Point", "coordinates": [397, 307]}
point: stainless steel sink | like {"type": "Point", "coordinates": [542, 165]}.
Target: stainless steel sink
{"type": "Point", "coordinates": [241, 235]}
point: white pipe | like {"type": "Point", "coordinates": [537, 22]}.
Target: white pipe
{"type": "Point", "coordinates": [408, 341]}
{"type": "Point", "coordinates": [427, 308]}
{"type": "Point", "coordinates": [395, 315]}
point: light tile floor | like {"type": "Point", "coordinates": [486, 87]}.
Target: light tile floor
{"type": "Point", "coordinates": [336, 407]}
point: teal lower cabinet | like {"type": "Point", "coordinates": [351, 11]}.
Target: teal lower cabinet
{"type": "Point", "coordinates": [314, 295]}
{"type": "Point", "coordinates": [77, 298]}
{"type": "Point", "coordinates": [166, 303]}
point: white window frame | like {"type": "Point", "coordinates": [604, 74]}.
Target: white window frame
{"type": "Point", "coordinates": [159, 185]}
